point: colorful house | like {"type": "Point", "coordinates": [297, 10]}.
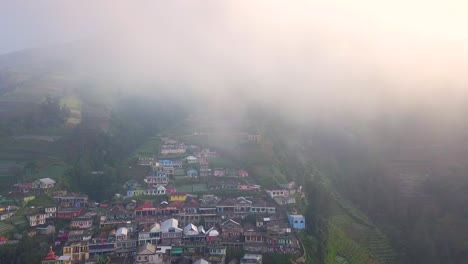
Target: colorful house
{"type": "Point", "coordinates": [177, 197]}
{"type": "Point", "coordinates": [69, 212]}
{"type": "Point", "coordinates": [78, 252]}
{"type": "Point", "coordinates": [192, 173]}
{"type": "Point", "coordinates": [212, 235]}
{"type": "Point", "coordinates": [219, 172]}
{"type": "Point", "coordinates": [296, 221]}
{"type": "Point", "coordinates": [170, 190]}
{"type": "Point", "coordinates": [82, 222]}
{"type": "Point", "coordinates": [243, 173]}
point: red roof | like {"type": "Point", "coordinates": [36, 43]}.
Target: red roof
{"type": "Point", "coordinates": [192, 203]}
{"type": "Point", "coordinates": [243, 172]}
{"type": "Point", "coordinates": [176, 204]}
{"type": "Point", "coordinates": [3, 239]}
{"type": "Point", "coordinates": [145, 204]}
{"type": "Point", "coordinates": [50, 256]}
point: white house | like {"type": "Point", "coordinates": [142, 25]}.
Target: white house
{"type": "Point", "coordinates": [44, 183]}
{"type": "Point", "coordinates": [191, 159]}
{"type": "Point", "coordinates": [150, 235]}
{"type": "Point", "coordinates": [37, 219]}
{"type": "Point", "coordinates": [121, 234]}
{"type": "Point", "coordinates": [190, 230]}
{"type": "Point", "coordinates": [82, 222]}
{"type": "Point", "coordinates": [277, 193]}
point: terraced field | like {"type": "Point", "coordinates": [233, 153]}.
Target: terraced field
{"type": "Point", "coordinates": [358, 236]}
{"type": "Point", "coordinates": [5, 228]}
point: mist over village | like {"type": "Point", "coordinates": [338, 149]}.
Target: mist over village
{"type": "Point", "coordinates": [233, 132]}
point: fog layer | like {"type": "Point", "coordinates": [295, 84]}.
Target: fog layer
{"type": "Point", "coordinates": [306, 57]}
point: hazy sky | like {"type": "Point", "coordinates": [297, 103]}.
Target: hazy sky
{"type": "Point", "coordinates": [299, 51]}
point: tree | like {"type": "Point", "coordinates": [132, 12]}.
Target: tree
{"type": "Point", "coordinates": [102, 260]}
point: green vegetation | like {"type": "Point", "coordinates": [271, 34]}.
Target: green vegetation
{"type": "Point", "coordinates": [148, 148]}
{"type": "Point", "coordinates": [42, 200]}
{"type": "Point", "coordinates": [5, 228]}
{"type": "Point", "coordinates": [22, 253]}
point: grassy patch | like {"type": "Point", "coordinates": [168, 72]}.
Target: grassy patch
{"type": "Point", "coordinates": [192, 188]}
{"type": "Point", "coordinates": [149, 148]}
{"type": "Point", "coordinates": [42, 200]}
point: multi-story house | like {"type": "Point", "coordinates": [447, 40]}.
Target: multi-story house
{"type": "Point", "coordinates": [40, 216]}
{"type": "Point", "coordinates": [157, 177]}
{"type": "Point", "coordinates": [79, 235]}
{"type": "Point", "coordinates": [159, 190]}
{"type": "Point", "coordinates": [251, 259]}
{"type": "Point", "coordinates": [148, 209]}
{"type": "Point", "coordinates": [78, 251]}
{"type": "Point", "coordinates": [176, 148]}
{"type": "Point", "coordinates": [67, 213]}
{"type": "Point", "coordinates": [148, 254]}
{"type": "Point", "coordinates": [205, 171]}
{"type": "Point", "coordinates": [51, 211]}
{"type": "Point", "coordinates": [81, 223]}
{"type": "Point", "coordinates": [262, 207]}
{"type": "Point", "coordinates": [149, 233]}
{"type": "Point", "coordinates": [219, 172]}
{"type": "Point", "coordinates": [206, 153]}
{"type": "Point", "coordinates": [170, 232]}
{"type": "Point", "coordinates": [217, 254]}
{"type": "Point", "coordinates": [146, 161]}
{"type": "Point", "coordinates": [231, 231]}
{"type": "Point", "coordinates": [254, 236]}
{"type": "Point", "coordinates": [232, 208]}
{"type": "Point", "coordinates": [68, 200]}
{"type": "Point", "coordinates": [101, 247]}
{"type": "Point", "coordinates": [194, 234]}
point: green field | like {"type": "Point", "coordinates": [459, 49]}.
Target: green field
{"type": "Point", "coordinates": [149, 148]}
{"type": "Point", "coordinates": [190, 188]}
{"type": "Point", "coordinates": [74, 104]}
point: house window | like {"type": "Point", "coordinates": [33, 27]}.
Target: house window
{"type": "Point", "coordinates": [302, 221]}
{"type": "Point", "coordinates": [295, 221]}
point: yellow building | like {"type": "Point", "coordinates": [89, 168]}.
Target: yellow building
{"type": "Point", "coordinates": [77, 251]}
{"type": "Point", "coordinates": [177, 197]}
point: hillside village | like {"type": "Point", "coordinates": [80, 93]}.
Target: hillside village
{"type": "Point", "coordinates": [234, 220]}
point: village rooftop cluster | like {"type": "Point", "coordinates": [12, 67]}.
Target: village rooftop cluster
{"type": "Point", "coordinates": [177, 227]}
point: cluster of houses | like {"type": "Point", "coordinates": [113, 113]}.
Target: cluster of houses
{"type": "Point", "coordinates": [173, 228]}
{"type": "Point", "coordinates": [185, 227]}
{"type": "Point", "coordinates": [162, 170]}
{"type": "Point", "coordinates": [173, 147]}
